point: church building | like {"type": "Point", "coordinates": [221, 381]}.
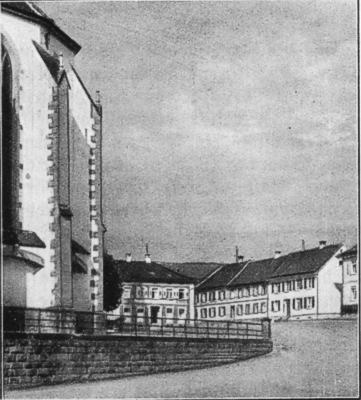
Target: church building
{"type": "Point", "coordinates": [52, 228]}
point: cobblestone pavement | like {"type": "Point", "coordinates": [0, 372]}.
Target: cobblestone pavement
{"type": "Point", "coordinates": [313, 358]}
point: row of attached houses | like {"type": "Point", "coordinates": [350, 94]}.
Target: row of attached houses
{"type": "Point", "coordinates": [299, 285]}
{"type": "Point", "coordinates": [311, 283]}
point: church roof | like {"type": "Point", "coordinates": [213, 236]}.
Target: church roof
{"type": "Point", "coordinates": [51, 62]}
{"type": "Point", "coordinates": [30, 11]}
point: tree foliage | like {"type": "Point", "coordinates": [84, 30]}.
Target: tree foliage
{"type": "Point", "coordinates": [112, 284]}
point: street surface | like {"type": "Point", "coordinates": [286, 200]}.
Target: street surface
{"type": "Point", "coordinates": [310, 358]}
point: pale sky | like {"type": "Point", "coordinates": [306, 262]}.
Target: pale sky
{"type": "Point", "coordinates": [225, 123]}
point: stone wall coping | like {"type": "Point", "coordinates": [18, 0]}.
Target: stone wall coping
{"type": "Point", "coordinates": [69, 336]}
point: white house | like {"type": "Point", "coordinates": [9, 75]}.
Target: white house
{"type": "Point", "coordinates": [350, 280]}
{"type": "Point", "coordinates": [153, 294]}
{"type": "Point", "coordinates": [303, 284]}
{"type": "Point", "coordinates": [51, 145]}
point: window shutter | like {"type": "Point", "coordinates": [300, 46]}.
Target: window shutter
{"type": "Point", "coordinates": [294, 304]}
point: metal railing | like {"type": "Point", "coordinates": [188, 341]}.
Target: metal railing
{"type": "Point", "coordinates": [34, 320]}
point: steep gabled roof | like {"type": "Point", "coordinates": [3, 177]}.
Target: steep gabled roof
{"type": "Point", "coordinates": [51, 62]}
{"type": "Point", "coordinates": [222, 277]}
{"type": "Point", "coordinates": [140, 271]}
{"type": "Point", "coordinates": [253, 272]}
{"type": "Point", "coordinates": [196, 270]}
{"type": "Point", "coordinates": [302, 262]}
{"type": "Point", "coordinates": [30, 11]}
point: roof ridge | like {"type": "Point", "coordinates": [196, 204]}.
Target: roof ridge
{"type": "Point", "coordinates": [210, 275]}
{"type": "Point", "coordinates": [238, 273]}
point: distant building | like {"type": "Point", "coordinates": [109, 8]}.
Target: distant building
{"type": "Point", "coordinates": [350, 280]}
{"type": "Point", "coordinates": [153, 294]}
{"type": "Point", "coordinates": [299, 285]}
{"type": "Point", "coordinates": [51, 168]}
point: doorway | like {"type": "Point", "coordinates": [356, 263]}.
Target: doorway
{"type": "Point", "coordinates": [154, 315]}
{"type": "Point", "coordinates": [287, 307]}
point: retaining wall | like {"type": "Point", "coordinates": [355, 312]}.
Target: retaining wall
{"type": "Point", "coordinates": [38, 359]}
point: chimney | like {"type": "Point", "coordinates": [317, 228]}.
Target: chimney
{"type": "Point", "coordinates": [239, 258]}
{"type": "Point", "coordinates": [147, 255]}
{"type": "Point", "coordinates": [277, 254]}
{"type": "Point", "coordinates": [303, 245]}
{"type": "Point", "coordinates": [322, 244]}
{"type": "Point", "coordinates": [128, 257]}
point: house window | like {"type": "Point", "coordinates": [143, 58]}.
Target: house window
{"type": "Point", "coordinates": [275, 306]}
{"type": "Point", "coordinates": [293, 285]}
{"type": "Point", "coordinates": [354, 268]}
{"type": "Point", "coordinates": [126, 310]}
{"type": "Point", "coordinates": [221, 295]}
{"type": "Point", "coordinates": [247, 309]}
{"type": "Point", "coordinates": [276, 288]}
{"type": "Point", "coordinates": [239, 309]}
{"type": "Point", "coordinates": [212, 296]}
{"type": "Point", "coordinates": [245, 292]}
{"type": "Point", "coordinates": [203, 313]}
{"type": "Point", "coordinates": [169, 293]}
{"type": "Point", "coordinates": [310, 302]}
{"type": "Point", "coordinates": [182, 312]}
{"type": "Point", "coordinates": [126, 292]}
{"type": "Point", "coordinates": [212, 312]}
{"type": "Point", "coordinates": [222, 311]}
{"type": "Point", "coordinates": [353, 293]}
{"type": "Point", "coordinates": [169, 310]}
{"type": "Point", "coordinates": [233, 294]}
{"type": "Point", "coordinates": [204, 297]}
{"type": "Point", "coordinates": [287, 286]}
{"type": "Point", "coordinates": [197, 298]}
{"type": "Point", "coordinates": [239, 293]}
{"type": "Point", "coordinates": [263, 307]}
{"type": "Point", "coordinates": [139, 292]}
{"type": "Point", "coordinates": [140, 310]}
{"type": "Point", "coordinates": [299, 284]}
{"type": "Point", "coordinates": [261, 290]}
{"type": "Point", "coordinates": [255, 308]}
{"type": "Point", "coordinates": [255, 291]}
{"type": "Point", "coordinates": [154, 293]}
{"type": "Point", "coordinates": [181, 294]}
{"type": "Point", "coordinates": [297, 304]}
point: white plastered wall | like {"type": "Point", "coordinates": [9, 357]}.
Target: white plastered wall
{"type": "Point", "coordinates": [329, 296]}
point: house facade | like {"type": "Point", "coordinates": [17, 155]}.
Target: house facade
{"type": "Point", "coordinates": [154, 295]}
{"type": "Point", "coordinates": [350, 280]}
{"type": "Point", "coordinates": [52, 233]}
{"type": "Point", "coordinates": [299, 285]}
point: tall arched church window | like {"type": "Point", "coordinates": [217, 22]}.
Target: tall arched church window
{"type": "Point", "coordinates": [9, 145]}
